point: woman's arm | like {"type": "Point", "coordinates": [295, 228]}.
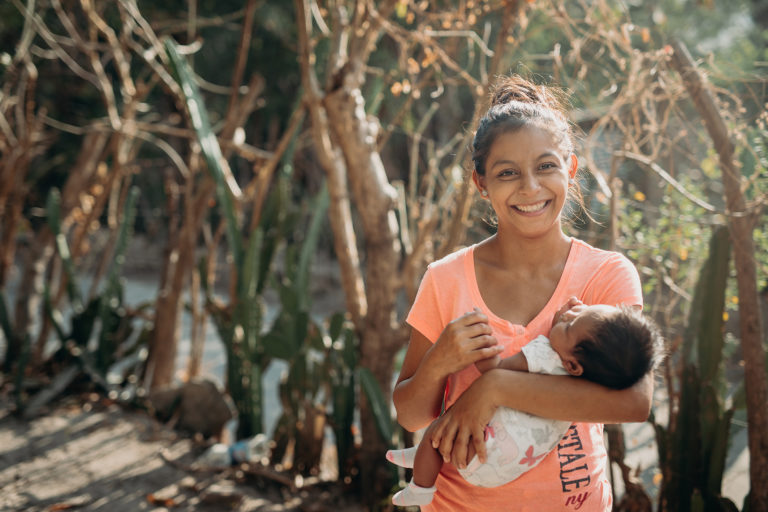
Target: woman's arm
{"type": "Point", "coordinates": [418, 393]}
{"type": "Point", "coordinates": [556, 397]}
{"type": "Point", "coordinates": [419, 389]}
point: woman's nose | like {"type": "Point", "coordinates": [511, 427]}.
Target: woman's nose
{"type": "Point", "coordinates": [530, 182]}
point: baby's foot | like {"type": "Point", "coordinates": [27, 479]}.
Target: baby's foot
{"type": "Point", "coordinates": [412, 494]}
{"type": "Point", "coordinates": [403, 458]}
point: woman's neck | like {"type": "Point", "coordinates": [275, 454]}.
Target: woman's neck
{"type": "Point", "coordinates": [531, 253]}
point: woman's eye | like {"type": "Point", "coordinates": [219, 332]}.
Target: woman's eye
{"type": "Point", "coordinates": [547, 166]}
{"type": "Point", "coordinates": [507, 173]}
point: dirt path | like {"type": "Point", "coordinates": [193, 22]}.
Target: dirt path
{"type": "Point", "coordinates": [102, 457]}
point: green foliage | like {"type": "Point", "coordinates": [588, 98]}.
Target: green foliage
{"type": "Point", "coordinates": [379, 405]}
{"type": "Point", "coordinates": [209, 144]}
{"type": "Point", "coordinates": [111, 314]}
{"type": "Point", "coordinates": [341, 362]}
{"type": "Point", "coordinates": [323, 378]}
{"type": "Point", "coordinates": [693, 446]}
{"type": "Point", "coordinates": [298, 340]}
{"type": "Point", "coordinates": [667, 241]}
{"type": "Point", "coordinates": [53, 215]}
{"type": "Point", "coordinates": [240, 324]}
{"type": "Point", "coordinates": [102, 330]}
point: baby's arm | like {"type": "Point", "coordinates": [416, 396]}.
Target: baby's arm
{"type": "Point", "coordinates": [488, 364]}
{"type": "Point", "coordinates": [517, 362]}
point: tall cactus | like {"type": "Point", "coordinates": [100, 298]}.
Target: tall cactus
{"type": "Point", "coordinates": [298, 340]}
{"type": "Point", "coordinates": [239, 323]}
{"type": "Point", "coordinates": [693, 446]}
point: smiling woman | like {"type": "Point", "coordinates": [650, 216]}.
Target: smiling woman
{"type": "Point", "coordinates": [513, 283]}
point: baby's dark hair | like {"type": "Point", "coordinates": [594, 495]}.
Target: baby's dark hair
{"type": "Point", "coordinates": [621, 350]}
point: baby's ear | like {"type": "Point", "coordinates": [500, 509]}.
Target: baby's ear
{"type": "Point", "coordinates": [573, 366]}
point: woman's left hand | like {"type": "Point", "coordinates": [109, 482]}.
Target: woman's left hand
{"type": "Point", "coordinates": [464, 422]}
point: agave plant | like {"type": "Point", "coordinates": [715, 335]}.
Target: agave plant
{"type": "Point", "coordinates": [101, 331]}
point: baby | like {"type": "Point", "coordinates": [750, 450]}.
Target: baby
{"type": "Point", "coordinates": [612, 346]}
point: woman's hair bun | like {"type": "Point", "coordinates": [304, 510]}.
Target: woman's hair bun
{"type": "Point", "coordinates": [516, 88]}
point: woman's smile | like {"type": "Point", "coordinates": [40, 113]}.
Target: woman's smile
{"type": "Point", "coordinates": [532, 208]}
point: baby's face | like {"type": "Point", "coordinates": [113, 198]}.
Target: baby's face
{"type": "Point", "coordinates": [575, 323]}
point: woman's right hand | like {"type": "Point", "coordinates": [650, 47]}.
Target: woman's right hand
{"type": "Point", "coordinates": [418, 394]}
{"type": "Point", "coordinates": [464, 422]}
{"type": "Point", "coordinates": [464, 341]}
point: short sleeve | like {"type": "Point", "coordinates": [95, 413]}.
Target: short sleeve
{"type": "Point", "coordinates": [424, 315]}
{"type": "Point", "coordinates": [615, 282]}
{"type": "Point", "coordinates": [542, 358]}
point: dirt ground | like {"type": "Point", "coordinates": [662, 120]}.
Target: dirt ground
{"type": "Point", "coordinates": [91, 455]}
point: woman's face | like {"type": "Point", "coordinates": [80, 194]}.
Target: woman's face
{"type": "Point", "coordinates": [526, 179]}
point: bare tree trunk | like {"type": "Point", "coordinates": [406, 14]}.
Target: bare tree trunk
{"type": "Point", "coordinates": [347, 142]}
{"type": "Point", "coordinates": [179, 262]}
{"type": "Point", "coordinates": [353, 138]}
{"type": "Point", "coordinates": [374, 198]}
{"type": "Point", "coordinates": [14, 170]}
{"type": "Point", "coordinates": [740, 225]}
{"type": "Point", "coordinates": [339, 211]}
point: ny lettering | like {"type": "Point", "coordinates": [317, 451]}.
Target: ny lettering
{"type": "Point", "coordinates": [577, 500]}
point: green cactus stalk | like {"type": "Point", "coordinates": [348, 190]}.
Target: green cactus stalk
{"type": "Point", "coordinates": [693, 447]}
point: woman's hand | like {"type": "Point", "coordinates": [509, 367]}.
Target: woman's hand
{"type": "Point", "coordinates": [418, 394]}
{"type": "Point", "coordinates": [463, 342]}
{"type": "Point", "coordinates": [465, 422]}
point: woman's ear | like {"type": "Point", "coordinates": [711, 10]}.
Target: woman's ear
{"type": "Point", "coordinates": [574, 167]}
{"type": "Point", "coordinates": [573, 366]}
{"type": "Point", "coordinates": [479, 181]}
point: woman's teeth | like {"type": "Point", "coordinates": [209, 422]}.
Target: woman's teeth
{"type": "Point", "coordinates": [530, 208]}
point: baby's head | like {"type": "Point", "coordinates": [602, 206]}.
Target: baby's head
{"type": "Point", "coordinates": [612, 346]}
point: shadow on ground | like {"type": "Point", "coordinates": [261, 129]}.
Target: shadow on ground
{"type": "Point", "coordinates": [97, 456]}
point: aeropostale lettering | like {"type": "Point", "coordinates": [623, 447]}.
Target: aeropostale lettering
{"type": "Point", "coordinates": [574, 471]}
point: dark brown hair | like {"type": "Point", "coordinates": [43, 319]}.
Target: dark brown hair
{"type": "Point", "coordinates": [517, 102]}
{"type": "Point", "coordinates": [622, 349]}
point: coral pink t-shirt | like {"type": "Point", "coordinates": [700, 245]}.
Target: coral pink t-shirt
{"type": "Point", "coordinates": [573, 475]}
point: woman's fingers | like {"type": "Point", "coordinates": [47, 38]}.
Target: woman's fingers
{"type": "Point", "coordinates": [464, 341]}
{"type": "Point", "coordinates": [478, 440]}
{"type": "Point", "coordinates": [443, 434]}
{"type": "Point", "coordinates": [459, 454]}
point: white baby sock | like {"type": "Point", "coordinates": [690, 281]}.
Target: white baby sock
{"type": "Point", "coordinates": [412, 494]}
{"type": "Point", "coordinates": [403, 458]}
